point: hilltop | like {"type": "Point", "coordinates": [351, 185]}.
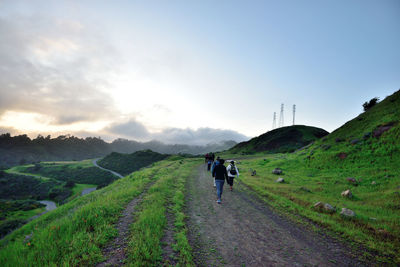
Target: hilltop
{"type": "Point", "coordinates": [361, 156]}
{"type": "Point", "coordinates": [19, 150]}
{"type": "Point", "coordinates": [281, 140]}
{"type": "Point", "coordinates": [127, 163]}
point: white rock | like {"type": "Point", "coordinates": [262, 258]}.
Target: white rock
{"type": "Point", "coordinates": [329, 208]}
{"type": "Point", "coordinates": [280, 180]}
{"type": "Point", "coordinates": [347, 213]}
{"type": "Point", "coordinates": [347, 194]}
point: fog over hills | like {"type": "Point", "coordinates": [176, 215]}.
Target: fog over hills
{"type": "Point", "coordinates": [21, 149]}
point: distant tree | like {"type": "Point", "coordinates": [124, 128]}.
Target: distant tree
{"type": "Point", "coordinates": [37, 167]}
{"type": "Point", "coordinates": [69, 184]}
{"type": "Point", "coordinates": [367, 105]}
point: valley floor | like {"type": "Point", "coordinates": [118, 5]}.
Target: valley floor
{"type": "Point", "coordinates": [242, 231]}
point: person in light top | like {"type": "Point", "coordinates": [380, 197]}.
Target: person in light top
{"type": "Point", "coordinates": [232, 172]}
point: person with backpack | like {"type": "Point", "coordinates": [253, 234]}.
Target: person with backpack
{"type": "Point", "coordinates": [232, 172]}
{"type": "Point", "coordinates": [220, 175]}
{"type": "Point", "coordinates": [212, 169]}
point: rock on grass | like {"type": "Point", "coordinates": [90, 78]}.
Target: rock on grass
{"type": "Point", "coordinates": [348, 213]}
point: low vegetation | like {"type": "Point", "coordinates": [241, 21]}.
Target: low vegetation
{"type": "Point", "coordinates": [82, 172]}
{"type": "Point", "coordinates": [127, 163]}
{"type": "Point", "coordinates": [363, 156]}
{"type": "Point", "coordinates": [15, 213]}
{"type": "Point", "coordinates": [165, 196]}
{"type": "Point", "coordinates": [17, 186]}
{"type": "Point", "coordinates": [280, 140]}
{"type": "Point", "coordinates": [75, 233]}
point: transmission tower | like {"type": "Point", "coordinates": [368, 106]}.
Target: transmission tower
{"type": "Point", "coordinates": [274, 122]}
{"type": "Point", "coordinates": [281, 117]}
{"type": "Point", "coordinates": [294, 113]}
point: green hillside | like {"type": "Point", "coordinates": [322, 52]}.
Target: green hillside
{"type": "Point", "coordinates": [127, 163]}
{"type": "Point", "coordinates": [75, 233]}
{"type": "Point", "coordinates": [280, 140]}
{"type": "Point", "coordinates": [366, 149]}
{"type": "Point", "coordinates": [82, 172]}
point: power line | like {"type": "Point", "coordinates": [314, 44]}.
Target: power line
{"type": "Point", "coordinates": [294, 113]}
{"type": "Point", "coordinates": [274, 122]}
{"type": "Point", "coordinates": [281, 123]}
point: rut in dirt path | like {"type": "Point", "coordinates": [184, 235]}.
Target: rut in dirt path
{"type": "Point", "coordinates": [243, 231]}
{"type": "Point", "coordinates": [115, 251]}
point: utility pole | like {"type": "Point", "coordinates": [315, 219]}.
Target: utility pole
{"type": "Point", "coordinates": [294, 113]}
{"type": "Point", "coordinates": [281, 123]}
{"type": "Point", "coordinates": [274, 122]}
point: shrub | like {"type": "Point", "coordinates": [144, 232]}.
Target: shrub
{"type": "Point", "coordinates": [69, 184]}
{"type": "Point", "coordinates": [367, 105]}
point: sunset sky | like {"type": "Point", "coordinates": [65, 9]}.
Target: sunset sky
{"type": "Point", "coordinates": [192, 71]}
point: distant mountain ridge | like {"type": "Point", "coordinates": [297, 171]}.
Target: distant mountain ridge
{"type": "Point", "coordinates": [281, 140]}
{"type": "Point", "coordinates": [16, 150]}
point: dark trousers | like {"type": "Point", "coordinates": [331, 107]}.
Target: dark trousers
{"type": "Point", "coordinates": [230, 180]}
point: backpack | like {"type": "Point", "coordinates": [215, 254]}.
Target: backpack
{"type": "Point", "coordinates": [233, 170]}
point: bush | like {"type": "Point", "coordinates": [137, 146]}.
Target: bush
{"type": "Point", "coordinates": [367, 105]}
{"type": "Point", "coordinates": [69, 184]}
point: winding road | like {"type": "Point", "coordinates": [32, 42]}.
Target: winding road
{"type": "Point", "coordinates": [113, 172]}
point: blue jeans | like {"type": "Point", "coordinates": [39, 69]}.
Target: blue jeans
{"type": "Point", "coordinates": [220, 187]}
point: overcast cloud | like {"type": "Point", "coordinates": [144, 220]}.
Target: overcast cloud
{"type": "Point", "coordinates": [133, 129]}
{"type": "Point", "coordinates": [51, 66]}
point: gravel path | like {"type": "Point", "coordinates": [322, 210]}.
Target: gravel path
{"type": "Point", "coordinates": [243, 231]}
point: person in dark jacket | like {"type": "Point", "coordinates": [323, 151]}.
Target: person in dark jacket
{"type": "Point", "coordinates": [220, 175]}
{"type": "Point", "coordinates": [212, 170]}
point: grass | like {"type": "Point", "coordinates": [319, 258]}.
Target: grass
{"type": "Point", "coordinates": [82, 172]}
{"type": "Point", "coordinates": [145, 248]}
{"type": "Point", "coordinates": [78, 188]}
{"type": "Point", "coordinates": [74, 233]}
{"type": "Point", "coordinates": [359, 149]}
{"type": "Point", "coordinates": [127, 163]}
{"type": "Point", "coordinates": [377, 223]}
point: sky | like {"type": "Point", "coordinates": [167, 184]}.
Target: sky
{"type": "Point", "coordinates": [193, 72]}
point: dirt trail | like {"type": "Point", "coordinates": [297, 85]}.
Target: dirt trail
{"type": "Point", "coordinates": [243, 231]}
{"type": "Point", "coordinates": [115, 251]}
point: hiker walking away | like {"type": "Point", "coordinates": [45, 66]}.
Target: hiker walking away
{"type": "Point", "coordinates": [209, 162]}
{"type": "Point", "coordinates": [220, 175]}
{"type": "Point", "coordinates": [206, 157]}
{"type": "Point", "coordinates": [232, 172]}
{"type": "Point", "coordinates": [212, 169]}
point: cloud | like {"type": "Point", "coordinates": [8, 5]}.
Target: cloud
{"type": "Point", "coordinates": [130, 129]}
{"type": "Point", "coordinates": [9, 130]}
{"type": "Point", "coordinates": [53, 67]}
{"type": "Point", "coordinates": [133, 129]}
{"type": "Point", "coordinates": [200, 136]}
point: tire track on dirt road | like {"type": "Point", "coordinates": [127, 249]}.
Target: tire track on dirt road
{"type": "Point", "coordinates": [243, 231]}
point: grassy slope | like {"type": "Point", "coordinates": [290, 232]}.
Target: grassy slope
{"type": "Point", "coordinates": [321, 171]}
{"type": "Point", "coordinates": [19, 182]}
{"type": "Point", "coordinates": [127, 163]}
{"type": "Point", "coordinates": [281, 140]}
{"type": "Point", "coordinates": [82, 172]}
{"type": "Point", "coordinates": [74, 233]}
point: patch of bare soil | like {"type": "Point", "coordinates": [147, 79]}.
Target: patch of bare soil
{"type": "Point", "coordinates": [244, 231]}
{"type": "Point", "coordinates": [169, 255]}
